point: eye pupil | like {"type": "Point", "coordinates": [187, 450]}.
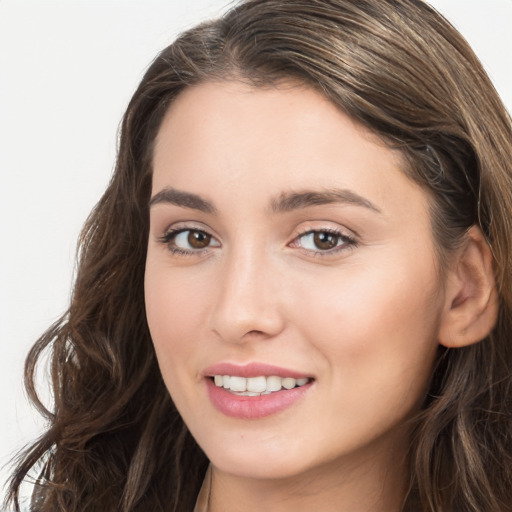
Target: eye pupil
{"type": "Point", "coordinates": [198, 239]}
{"type": "Point", "coordinates": [325, 240]}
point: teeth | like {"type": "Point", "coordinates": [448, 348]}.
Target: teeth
{"type": "Point", "coordinates": [256, 386]}
{"type": "Point", "coordinates": [289, 383]}
{"type": "Point", "coordinates": [274, 383]}
{"type": "Point", "coordinates": [237, 383]}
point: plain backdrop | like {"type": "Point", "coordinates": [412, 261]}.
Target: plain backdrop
{"type": "Point", "coordinates": [67, 71]}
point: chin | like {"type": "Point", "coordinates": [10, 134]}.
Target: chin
{"type": "Point", "coordinates": [258, 467]}
{"type": "Point", "coordinates": [247, 457]}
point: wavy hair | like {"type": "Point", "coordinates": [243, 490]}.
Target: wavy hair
{"type": "Point", "coordinates": [115, 441]}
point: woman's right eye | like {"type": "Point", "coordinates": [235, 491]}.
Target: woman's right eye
{"type": "Point", "coordinates": [188, 241]}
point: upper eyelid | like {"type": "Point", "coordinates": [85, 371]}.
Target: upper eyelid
{"type": "Point", "coordinates": [188, 226]}
{"type": "Point", "coordinates": [321, 230]}
{"type": "Point", "coordinates": [344, 232]}
{"type": "Point", "coordinates": [177, 230]}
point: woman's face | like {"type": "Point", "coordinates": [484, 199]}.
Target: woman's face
{"type": "Point", "coordinates": [286, 243]}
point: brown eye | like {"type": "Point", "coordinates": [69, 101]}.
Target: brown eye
{"type": "Point", "coordinates": [324, 240]}
{"type": "Point", "coordinates": [198, 239]}
{"type": "Point", "coordinates": [188, 241]}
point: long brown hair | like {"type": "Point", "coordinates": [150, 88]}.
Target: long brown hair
{"type": "Point", "coordinates": [115, 440]}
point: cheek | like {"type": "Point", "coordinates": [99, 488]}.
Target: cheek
{"type": "Point", "coordinates": [176, 319]}
{"type": "Point", "coordinates": [378, 345]}
{"type": "Point", "coordinates": [176, 315]}
{"type": "Point", "coordinates": [398, 292]}
{"type": "Point", "coordinates": [380, 322]}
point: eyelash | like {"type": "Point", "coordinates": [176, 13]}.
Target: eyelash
{"type": "Point", "coordinates": [347, 242]}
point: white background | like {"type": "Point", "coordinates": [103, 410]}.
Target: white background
{"type": "Point", "coordinates": [67, 71]}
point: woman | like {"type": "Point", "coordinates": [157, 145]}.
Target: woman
{"type": "Point", "coordinates": [295, 292]}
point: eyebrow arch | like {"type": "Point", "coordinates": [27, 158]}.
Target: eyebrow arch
{"type": "Point", "coordinates": [184, 199]}
{"type": "Point", "coordinates": [290, 201]}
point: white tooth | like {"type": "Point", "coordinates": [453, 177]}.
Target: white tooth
{"type": "Point", "coordinates": [238, 383]}
{"type": "Point", "coordinates": [256, 384]}
{"type": "Point", "coordinates": [301, 382]}
{"type": "Point", "coordinates": [251, 393]}
{"type": "Point", "coordinates": [225, 381]}
{"type": "Point", "coordinates": [218, 380]}
{"type": "Point", "coordinates": [273, 383]}
{"type": "Point", "coordinates": [289, 383]}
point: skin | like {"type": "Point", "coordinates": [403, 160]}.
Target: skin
{"type": "Point", "coordinates": [363, 318]}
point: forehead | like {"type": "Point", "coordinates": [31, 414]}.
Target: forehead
{"type": "Point", "coordinates": [241, 142]}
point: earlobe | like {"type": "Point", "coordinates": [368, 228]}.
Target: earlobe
{"type": "Point", "coordinates": [471, 307]}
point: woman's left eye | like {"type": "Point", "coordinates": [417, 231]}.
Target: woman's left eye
{"type": "Point", "coordinates": [322, 241]}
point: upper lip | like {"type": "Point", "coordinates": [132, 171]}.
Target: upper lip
{"type": "Point", "coordinates": [253, 369]}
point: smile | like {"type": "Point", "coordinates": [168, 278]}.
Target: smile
{"type": "Point", "coordinates": [257, 386]}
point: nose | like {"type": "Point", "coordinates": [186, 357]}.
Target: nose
{"type": "Point", "coordinates": [247, 306]}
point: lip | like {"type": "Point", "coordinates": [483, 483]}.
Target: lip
{"type": "Point", "coordinates": [252, 370]}
{"type": "Point", "coordinates": [253, 407]}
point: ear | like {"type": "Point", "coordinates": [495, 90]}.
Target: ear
{"type": "Point", "coordinates": [471, 307]}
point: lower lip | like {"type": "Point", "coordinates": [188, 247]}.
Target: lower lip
{"type": "Point", "coordinates": [254, 407]}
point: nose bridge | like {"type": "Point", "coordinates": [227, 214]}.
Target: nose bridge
{"type": "Point", "coordinates": [247, 301]}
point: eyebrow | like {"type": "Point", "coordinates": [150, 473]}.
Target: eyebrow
{"type": "Point", "coordinates": [285, 202]}
{"type": "Point", "coordinates": [184, 199]}
{"type": "Point", "coordinates": [290, 201]}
